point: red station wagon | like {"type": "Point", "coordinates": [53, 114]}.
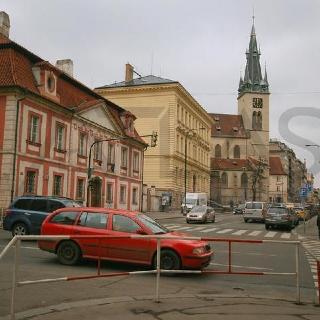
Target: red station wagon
{"type": "Point", "coordinates": [175, 253]}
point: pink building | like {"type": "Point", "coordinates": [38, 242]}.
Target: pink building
{"type": "Point", "coordinates": [49, 121]}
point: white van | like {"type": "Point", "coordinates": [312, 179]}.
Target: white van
{"type": "Point", "coordinates": [254, 211]}
{"type": "Point", "coordinates": [192, 200]}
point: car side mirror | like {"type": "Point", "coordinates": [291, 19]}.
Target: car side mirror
{"type": "Point", "coordinates": [141, 231]}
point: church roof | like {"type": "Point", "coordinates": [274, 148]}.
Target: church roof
{"type": "Point", "coordinates": [147, 80]}
{"type": "Point", "coordinates": [227, 125]}
{"type": "Point", "coordinates": [230, 164]}
{"type": "Point", "coordinates": [276, 166]}
{"type": "Point", "coordinates": [253, 80]}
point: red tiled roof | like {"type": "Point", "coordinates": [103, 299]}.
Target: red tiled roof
{"type": "Point", "coordinates": [230, 164]}
{"type": "Point", "coordinates": [227, 125]}
{"type": "Point", "coordinates": [16, 65]}
{"type": "Point", "coordinates": [276, 166]}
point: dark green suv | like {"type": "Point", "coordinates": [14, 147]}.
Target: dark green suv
{"type": "Point", "coordinates": [26, 213]}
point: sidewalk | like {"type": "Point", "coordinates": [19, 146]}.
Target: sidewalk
{"type": "Point", "coordinates": [308, 229]}
{"type": "Point", "coordinates": [174, 307]}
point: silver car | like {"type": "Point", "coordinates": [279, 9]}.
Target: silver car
{"type": "Point", "coordinates": [201, 214]}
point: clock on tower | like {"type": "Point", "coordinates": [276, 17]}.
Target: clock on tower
{"type": "Point", "coordinates": [257, 102]}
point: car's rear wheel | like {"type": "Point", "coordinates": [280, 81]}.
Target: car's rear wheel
{"type": "Point", "coordinates": [68, 253]}
{"type": "Point", "coordinates": [20, 229]}
{"type": "Point", "coordinates": [169, 260]}
{"type": "Point", "coordinates": [267, 227]}
{"type": "Point", "coordinates": [245, 220]}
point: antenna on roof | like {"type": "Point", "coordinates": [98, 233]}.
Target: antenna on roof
{"type": "Point", "coordinates": [151, 71]}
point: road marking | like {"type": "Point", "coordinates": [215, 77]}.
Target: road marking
{"type": "Point", "coordinates": [286, 236]}
{"type": "Point", "coordinates": [236, 266]}
{"type": "Point", "coordinates": [270, 234]}
{"type": "Point", "coordinates": [208, 230]}
{"type": "Point", "coordinates": [224, 231]}
{"type": "Point", "coordinates": [254, 233]}
{"type": "Point", "coordinates": [198, 228]}
{"type": "Point", "coordinates": [23, 247]}
{"type": "Point", "coordinates": [183, 228]}
{"type": "Point", "coordinates": [174, 226]}
{"type": "Point", "coordinates": [239, 232]}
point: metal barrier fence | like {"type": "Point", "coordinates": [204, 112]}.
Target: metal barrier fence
{"type": "Point", "coordinates": [16, 242]}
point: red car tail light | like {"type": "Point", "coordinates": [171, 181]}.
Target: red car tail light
{"type": "Point", "coordinates": [7, 212]}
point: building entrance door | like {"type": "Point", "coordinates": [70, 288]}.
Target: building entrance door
{"type": "Point", "coordinates": [96, 192]}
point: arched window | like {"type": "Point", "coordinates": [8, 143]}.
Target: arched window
{"type": "Point", "coordinates": [244, 180]}
{"type": "Point", "coordinates": [217, 151]}
{"type": "Point", "coordinates": [224, 180]}
{"type": "Point", "coordinates": [236, 152]}
{"type": "Point", "coordinates": [254, 120]}
{"type": "Point", "coordinates": [259, 120]}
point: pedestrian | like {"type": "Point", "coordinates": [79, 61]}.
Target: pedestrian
{"type": "Point", "coordinates": [318, 224]}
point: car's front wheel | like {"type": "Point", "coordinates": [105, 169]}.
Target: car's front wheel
{"type": "Point", "coordinates": [20, 229]}
{"type": "Point", "coordinates": [169, 260]}
{"type": "Point", "coordinates": [68, 253]}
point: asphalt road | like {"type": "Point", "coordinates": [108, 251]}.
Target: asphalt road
{"type": "Point", "coordinates": [265, 257]}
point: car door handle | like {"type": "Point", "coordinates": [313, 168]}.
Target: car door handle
{"type": "Point", "coordinates": [27, 213]}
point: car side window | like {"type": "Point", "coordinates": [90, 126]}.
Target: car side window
{"type": "Point", "coordinates": [39, 205]}
{"type": "Point", "coordinates": [97, 220]}
{"type": "Point", "coordinates": [65, 218]}
{"type": "Point", "coordinates": [54, 205]}
{"type": "Point", "coordinates": [23, 204]}
{"type": "Point", "coordinates": [124, 224]}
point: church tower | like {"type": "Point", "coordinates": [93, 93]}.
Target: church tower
{"type": "Point", "coordinates": [253, 101]}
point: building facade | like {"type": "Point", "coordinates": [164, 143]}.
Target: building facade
{"type": "Point", "coordinates": [49, 124]}
{"type": "Point", "coordinates": [278, 186]}
{"type": "Point", "coordinates": [240, 157]}
{"type": "Point", "coordinates": [181, 161]}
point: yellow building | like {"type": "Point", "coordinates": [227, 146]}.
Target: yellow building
{"type": "Point", "coordinates": [181, 160]}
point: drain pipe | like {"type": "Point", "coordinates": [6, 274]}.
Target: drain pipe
{"type": "Point", "coordinates": [15, 147]}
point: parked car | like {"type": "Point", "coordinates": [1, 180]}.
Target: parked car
{"type": "Point", "coordinates": [254, 211]}
{"type": "Point", "coordinates": [239, 209]}
{"type": "Point", "coordinates": [202, 214]}
{"type": "Point", "coordinates": [176, 253]}
{"type": "Point", "coordinates": [26, 213]}
{"type": "Point", "coordinates": [277, 217]}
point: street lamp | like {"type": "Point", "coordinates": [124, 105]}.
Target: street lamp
{"type": "Point", "coordinates": [185, 167]}
{"type": "Point", "coordinates": [153, 143]}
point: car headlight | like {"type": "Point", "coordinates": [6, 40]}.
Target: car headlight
{"type": "Point", "coordinates": [199, 250]}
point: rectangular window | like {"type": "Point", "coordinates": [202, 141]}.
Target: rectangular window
{"type": "Point", "coordinates": [136, 164]}
{"type": "Point", "coordinates": [57, 185]}
{"type": "Point", "coordinates": [111, 150]}
{"type": "Point", "coordinates": [82, 144]}
{"type": "Point", "coordinates": [278, 188]}
{"type": "Point", "coordinates": [80, 188]}
{"type": "Point", "coordinates": [123, 194]}
{"type": "Point", "coordinates": [109, 192]}
{"type": "Point", "coordinates": [34, 129]}
{"type": "Point", "coordinates": [30, 182]}
{"type": "Point", "coordinates": [124, 157]}
{"type": "Point", "coordinates": [60, 137]}
{"type": "Point", "coordinates": [98, 151]}
{"type": "Point", "coordinates": [134, 196]}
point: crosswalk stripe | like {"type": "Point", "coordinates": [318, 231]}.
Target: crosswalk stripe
{"type": "Point", "coordinates": [198, 228]}
{"type": "Point", "coordinates": [239, 232]}
{"type": "Point", "coordinates": [208, 230]}
{"type": "Point", "coordinates": [286, 236]}
{"type": "Point", "coordinates": [224, 231]}
{"type": "Point", "coordinates": [172, 227]}
{"type": "Point", "coordinates": [183, 228]}
{"type": "Point", "coordinates": [270, 234]}
{"type": "Point", "coordinates": [254, 233]}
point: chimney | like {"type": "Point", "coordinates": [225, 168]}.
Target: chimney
{"type": "Point", "coordinates": [4, 24]}
{"type": "Point", "coordinates": [65, 65]}
{"type": "Point", "coordinates": [129, 72]}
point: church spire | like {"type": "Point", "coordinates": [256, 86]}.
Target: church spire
{"type": "Point", "coordinates": [253, 81]}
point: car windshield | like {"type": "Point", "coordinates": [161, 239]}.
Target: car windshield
{"type": "Point", "coordinates": [199, 209]}
{"type": "Point", "coordinates": [254, 205]}
{"type": "Point", "coordinates": [154, 226]}
{"type": "Point", "coordinates": [277, 210]}
{"type": "Point", "coordinates": [70, 203]}
{"type": "Point", "coordinates": [191, 201]}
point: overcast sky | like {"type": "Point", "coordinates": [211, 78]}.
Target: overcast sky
{"type": "Point", "coordinates": [199, 43]}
